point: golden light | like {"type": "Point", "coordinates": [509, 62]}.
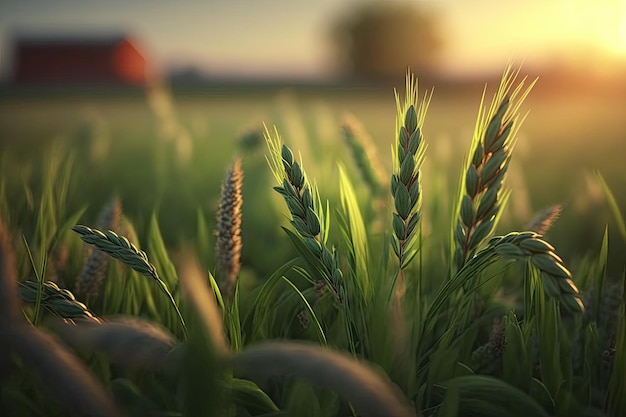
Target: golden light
{"type": "Point", "coordinates": [621, 35]}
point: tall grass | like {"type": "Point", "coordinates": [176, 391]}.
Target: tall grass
{"type": "Point", "coordinates": [370, 315]}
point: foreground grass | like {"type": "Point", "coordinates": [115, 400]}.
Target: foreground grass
{"type": "Point", "coordinates": [395, 298]}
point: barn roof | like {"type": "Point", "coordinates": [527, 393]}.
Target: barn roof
{"type": "Point", "coordinates": [77, 58]}
{"type": "Point", "coordinates": [70, 39]}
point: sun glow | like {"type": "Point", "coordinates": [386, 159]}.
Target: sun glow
{"type": "Point", "coordinates": [621, 30]}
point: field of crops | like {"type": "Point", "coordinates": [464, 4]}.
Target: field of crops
{"type": "Point", "coordinates": [370, 233]}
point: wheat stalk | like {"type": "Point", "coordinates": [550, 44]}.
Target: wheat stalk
{"type": "Point", "coordinates": [93, 271]}
{"type": "Point", "coordinates": [364, 153]}
{"type": "Point", "coordinates": [367, 391]}
{"type": "Point", "coordinates": [304, 205]}
{"type": "Point", "coordinates": [406, 189]}
{"type": "Point", "coordinates": [128, 341]}
{"type": "Point", "coordinates": [194, 287]}
{"type": "Point", "coordinates": [57, 301]}
{"type": "Point", "coordinates": [484, 196]}
{"type": "Point", "coordinates": [556, 278]}
{"type": "Point", "coordinates": [120, 248]}
{"type": "Point", "coordinates": [228, 231]}
{"type": "Point", "coordinates": [62, 374]}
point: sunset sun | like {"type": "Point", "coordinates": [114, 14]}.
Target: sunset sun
{"type": "Point", "coordinates": [621, 32]}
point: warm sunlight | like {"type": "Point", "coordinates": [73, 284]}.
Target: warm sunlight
{"type": "Point", "coordinates": [621, 35]}
{"type": "Point", "coordinates": [600, 24]}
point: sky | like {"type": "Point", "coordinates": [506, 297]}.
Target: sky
{"type": "Point", "coordinates": [290, 37]}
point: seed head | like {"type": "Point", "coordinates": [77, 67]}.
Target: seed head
{"type": "Point", "coordinates": [228, 243]}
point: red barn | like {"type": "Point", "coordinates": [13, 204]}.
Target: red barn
{"type": "Point", "coordinates": [76, 60]}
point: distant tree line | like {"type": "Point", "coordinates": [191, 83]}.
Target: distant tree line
{"type": "Point", "coordinates": [379, 40]}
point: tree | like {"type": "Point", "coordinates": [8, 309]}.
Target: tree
{"type": "Point", "coordinates": [380, 40]}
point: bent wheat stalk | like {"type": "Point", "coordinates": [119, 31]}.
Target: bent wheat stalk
{"type": "Point", "coordinates": [556, 278]}
{"type": "Point", "coordinates": [60, 302]}
{"type": "Point", "coordinates": [129, 341]}
{"type": "Point", "coordinates": [120, 248]}
{"type": "Point", "coordinates": [69, 381]}
{"type": "Point", "coordinates": [367, 391]}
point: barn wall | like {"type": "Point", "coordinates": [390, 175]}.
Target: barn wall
{"type": "Point", "coordinates": [78, 63]}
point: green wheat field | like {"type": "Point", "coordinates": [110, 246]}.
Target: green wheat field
{"type": "Point", "coordinates": [302, 252]}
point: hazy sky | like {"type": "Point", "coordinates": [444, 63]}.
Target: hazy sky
{"type": "Point", "coordinates": [261, 37]}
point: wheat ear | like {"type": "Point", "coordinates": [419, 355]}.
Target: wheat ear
{"type": "Point", "coordinates": [120, 248]}
{"type": "Point", "coordinates": [228, 232]}
{"type": "Point", "coordinates": [57, 301]}
{"type": "Point", "coordinates": [304, 205]}
{"type": "Point", "coordinates": [364, 153]}
{"type": "Point", "coordinates": [406, 188]}
{"type": "Point", "coordinates": [484, 196]}
{"type": "Point", "coordinates": [556, 278]}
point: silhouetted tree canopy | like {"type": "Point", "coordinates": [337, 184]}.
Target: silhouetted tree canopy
{"type": "Point", "coordinates": [380, 40]}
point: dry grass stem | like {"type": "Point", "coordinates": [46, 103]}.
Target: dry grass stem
{"type": "Point", "coordinates": [127, 341]}
{"type": "Point", "coordinates": [228, 242]}
{"type": "Point", "coordinates": [63, 375]}
{"type": "Point", "coordinates": [195, 288]}
{"type": "Point", "coordinates": [369, 392]}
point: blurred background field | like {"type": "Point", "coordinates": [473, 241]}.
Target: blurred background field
{"type": "Point", "coordinates": [175, 161]}
{"type": "Point", "coordinates": [214, 73]}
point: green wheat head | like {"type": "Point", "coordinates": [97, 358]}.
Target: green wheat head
{"type": "Point", "coordinates": [408, 157]}
{"type": "Point", "coordinates": [305, 207]}
{"type": "Point", "coordinates": [483, 194]}
{"type": "Point", "coordinates": [118, 247]}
